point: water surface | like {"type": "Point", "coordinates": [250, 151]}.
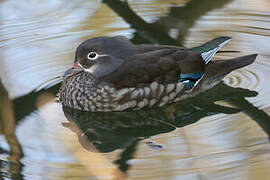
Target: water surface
{"type": "Point", "coordinates": [222, 134]}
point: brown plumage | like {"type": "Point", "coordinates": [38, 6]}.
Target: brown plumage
{"type": "Point", "coordinates": [112, 74]}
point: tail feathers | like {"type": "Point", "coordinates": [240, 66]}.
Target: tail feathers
{"type": "Point", "coordinates": [210, 48]}
{"type": "Point", "coordinates": [215, 71]}
{"type": "Point", "coordinates": [223, 67]}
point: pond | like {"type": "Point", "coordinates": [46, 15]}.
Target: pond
{"type": "Point", "coordinates": [220, 134]}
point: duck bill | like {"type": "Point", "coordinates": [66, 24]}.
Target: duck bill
{"type": "Point", "coordinates": [75, 69]}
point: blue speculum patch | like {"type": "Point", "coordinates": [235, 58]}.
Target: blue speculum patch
{"type": "Point", "coordinates": [190, 79]}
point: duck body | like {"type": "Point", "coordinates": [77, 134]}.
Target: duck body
{"type": "Point", "coordinates": [112, 74]}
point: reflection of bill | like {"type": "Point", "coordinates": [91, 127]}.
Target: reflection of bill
{"type": "Point", "coordinates": [86, 144]}
{"type": "Point", "coordinates": [94, 161]}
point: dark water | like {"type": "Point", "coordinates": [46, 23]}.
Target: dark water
{"type": "Point", "coordinates": [221, 134]}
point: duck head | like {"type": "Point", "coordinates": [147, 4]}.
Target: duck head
{"type": "Point", "coordinates": [101, 55]}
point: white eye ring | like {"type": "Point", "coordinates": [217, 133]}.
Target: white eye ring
{"type": "Point", "coordinates": [92, 56]}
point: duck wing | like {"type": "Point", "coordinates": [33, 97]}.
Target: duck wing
{"type": "Point", "coordinates": [162, 66]}
{"type": "Point", "coordinates": [165, 64]}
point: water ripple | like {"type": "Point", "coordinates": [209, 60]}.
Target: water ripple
{"type": "Point", "coordinates": [242, 78]}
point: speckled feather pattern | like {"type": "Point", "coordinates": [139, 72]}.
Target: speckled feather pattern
{"type": "Point", "coordinates": [83, 93]}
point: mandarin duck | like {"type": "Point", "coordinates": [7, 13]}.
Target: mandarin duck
{"type": "Point", "coordinates": [113, 74]}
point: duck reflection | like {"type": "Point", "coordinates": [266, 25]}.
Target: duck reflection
{"type": "Point", "coordinates": [117, 130]}
{"type": "Point", "coordinates": [106, 132]}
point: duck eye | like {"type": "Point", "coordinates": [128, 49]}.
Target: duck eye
{"type": "Point", "coordinates": [92, 56]}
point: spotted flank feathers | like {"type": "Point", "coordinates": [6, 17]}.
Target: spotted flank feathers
{"type": "Point", "coordinates": [107, 98]}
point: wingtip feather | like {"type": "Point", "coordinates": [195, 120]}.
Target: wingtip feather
{"type": "Point", "coordinates": [210, 48]}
